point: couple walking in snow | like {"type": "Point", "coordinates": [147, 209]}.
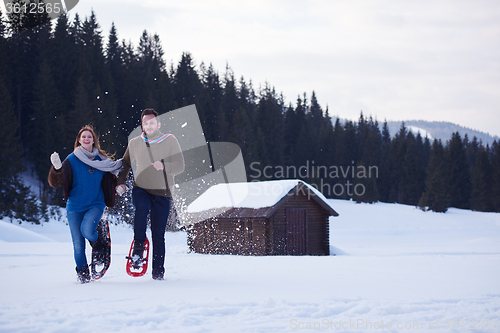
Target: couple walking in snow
{"type": "Point", "coordinates": [90, 178]}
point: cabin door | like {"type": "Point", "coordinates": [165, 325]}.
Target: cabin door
{"type": "Point", "coordinates": [296, 219]}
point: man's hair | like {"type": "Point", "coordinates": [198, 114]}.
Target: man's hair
{"type": "Point", "coordinates": [145, 112]}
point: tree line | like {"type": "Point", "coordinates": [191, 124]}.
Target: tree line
{"type": "Point", "coordinates": [56, 77]}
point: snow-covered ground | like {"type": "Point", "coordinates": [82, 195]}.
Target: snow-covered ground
{"type": "Point", "coordinates": [397, 269]}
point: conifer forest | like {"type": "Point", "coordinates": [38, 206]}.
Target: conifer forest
{"type": "Point", "coordinates": [57, 76]}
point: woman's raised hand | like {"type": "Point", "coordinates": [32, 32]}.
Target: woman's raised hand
{"type": "Point", "coordinates": [56, 161]}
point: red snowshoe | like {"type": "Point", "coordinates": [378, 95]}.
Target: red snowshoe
{"type": "Point", "coordinates": [137, 265]}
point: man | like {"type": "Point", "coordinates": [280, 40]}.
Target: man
{"type": "Point", "coordinates": [156, 158]}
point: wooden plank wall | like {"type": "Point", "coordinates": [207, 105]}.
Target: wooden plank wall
{"type": "Point", "coordinates": [229, 236]}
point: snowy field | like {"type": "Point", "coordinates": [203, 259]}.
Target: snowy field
{"type": "Point", "coordinates": [397, 269]}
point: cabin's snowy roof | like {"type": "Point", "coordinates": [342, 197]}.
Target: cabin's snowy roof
{"type": "Point", "coordinates": [254, 195]}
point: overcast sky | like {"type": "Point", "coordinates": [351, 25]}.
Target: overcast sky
{"type": "Point", "coordinates": [395, 60]}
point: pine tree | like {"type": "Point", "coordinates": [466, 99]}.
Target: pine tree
{"type": "Point", "coordinates": [187, 84]}
{"type": "Point", "coordinates": [437, 194]}
{"type": "Point", "coordinates": [16, 198]}
{"type": "Point", "coordinates": [315, 124]}
{"type": "Point", "coordinates": [188, 88]}
{"type": "Point", "coordinates": [338, 148]}
{"type": "Point", "coordinates": [426, 151]}
{"type": "Point", "coordinates": [76, 33]}
{"type": "Point", "coordinates": [370, 149]}
{"type": "Point", "coordinates": [212, 105]}
{"type": "Point", "coordinates": [151, 52]}
{"type": "Point", "coordinates": [93, 69]}
{"type": "Point", "coordinates": [481, 198]}
{"type": "Point", "coordinates": [460, 180]}
{"type": "Point", "coordinates": [128, 89]}
{"type": "Point", "coordinates": [62, 61]}
{"type": "Point", "coordinates": [158, 53]}
{"type": "Point", "coordinates": [247, 98]}
{"type": "Point", "coordinates": [49, 137]}
{"type": "Point", "coordinates": [113, 50]}
{"type": "Point", "coordinates": [291, 127]}
{"type": "Point", "coordinates": [152, 74]}
{"type": "Point", "coordinates": [397, 154]}
{"type": "Point", "coordinates": [413, 173]}
{"type": "Point", "coordinates": [316, 112]}
{"type": "Point", "coordinates": [229, 102]}
{"type": "Point", "coordinates": [471, 149]}
{"type": "Point", "coordinates": [307, 135]}
{"type": "Point", "coordinates": [114, 98]}
{"type": "Point", "coordinates": [325, 149]}
{"type": "Point", "coordinates": [350, 142]}
{"type": "Point", "coordinates": [25, 20]}
{"type": "Point", "coordinates": [495, 170]}
{"type": "Point", "coordinates": [29, 47]}
{"type": "Point", "coordinates": [92, 41]}
{"type": "Point", "coordinates": [269, 118]}
{"type": "Point", "coordinates": [11, 157]}
{"type": "Point", "coordinates": [346, 147]}
{"type": "Point", "coordinates": [384, 180]}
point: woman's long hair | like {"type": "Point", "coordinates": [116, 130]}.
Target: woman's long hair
{"type": "Point", "coordinates": [96, 140]}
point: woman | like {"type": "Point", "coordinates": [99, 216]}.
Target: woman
{"type": "Point", "coordinates": [88, 179]}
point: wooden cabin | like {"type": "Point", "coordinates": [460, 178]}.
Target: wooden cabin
{"type": "Point", "coordinates": [283, 217]}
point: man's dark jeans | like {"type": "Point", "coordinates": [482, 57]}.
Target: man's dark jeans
{"type": "Point", "coordinates": [159, 207]}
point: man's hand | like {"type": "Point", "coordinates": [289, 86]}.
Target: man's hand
{"type": "Point", "coordinates": [121, 189]}
{"type": "Point", "coordinates": [158, 165]}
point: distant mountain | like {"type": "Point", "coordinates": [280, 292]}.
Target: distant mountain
{"type": "Point", "coordinates": [435, 130]}
{"type": "Point", "coordinates": [440, 130]}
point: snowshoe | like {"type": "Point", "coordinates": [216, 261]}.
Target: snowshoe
{"type": "Point", "coordinates": [137, 260]}
{"type": "Point", "coordinates": [101, 251]}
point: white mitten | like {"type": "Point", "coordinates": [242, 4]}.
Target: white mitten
{"type": "Point", "coordinates": [56, 161]}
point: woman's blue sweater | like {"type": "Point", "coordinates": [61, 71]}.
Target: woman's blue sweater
{"type": "Point", "coordinates": [86, 191]}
